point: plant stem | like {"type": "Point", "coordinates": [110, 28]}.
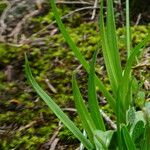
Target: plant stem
{"type": "Point", "coordinates": [128, 38]}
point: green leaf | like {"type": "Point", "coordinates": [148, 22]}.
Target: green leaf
{"type": "Point", "coordinates": [67, 37]}
{"type": "Point", "coordinates": [127, 138]}
{"type": "Point", "coordinates": [139, 115]}
{"type": "Point", "coordinates": [140, 100]}
{"type": "Point", "coordinates": [112, 37]}
{"type": "Point", "coordinates": [79, 56]}
{"type": "Point", "coordinates": [84, 115]}
{"type": "Point", "coordinates": [107, 55]}
{"type": "Point", "coordinates": [102, 139]}
{"type": "Point", "coordinates": [110, 47]}
{"type": "Point", "coordinates": [124, 85]}
{"type": "Point", "coordinates": [135, 85]}
{"type": "Point", "coordinates": [138, 131]}
{"type": "Point", "coordinates": [92, 97]}
{"type": "Point", "coordinates": [147, 109]}
{"type": "Point", "coordinates": [130, 115]}
{"type": "Point", "coordinates": [55, 108]}
{"type": "Point", "coordinates": [128, 34]}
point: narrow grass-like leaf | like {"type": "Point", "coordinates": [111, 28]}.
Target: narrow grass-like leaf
{"type": "Point", "coordinates": [56, 109]}
{"type": "Point", "coordinates": [92, 97]}
{"type": "Point", "coordinates": [67, 37]}
{"type": "Point", "coordinates": [128, 35]}
{"type": "Point", "coordinates": [127, 138]}
{"type": "Point", "coordinates": [146, 143]}
{"type": "Point", "coordinates": [129, 98]}
{"type": "Point", "coordinates": [79, 56]}
{"type": "Point", "coordinates": [84, 115]}
{"type": "Point", "coordinates": [134, 53]}
{"type": "Point", "coordinates": [126, 77]}
{"type": "Point", "coordinates": [119, 120]}
{"type": "Point", "coordinates": [81, 145]}
{"type": "Point", "coordinates": [108, 55]}
{"type": "Point", "coordinates": [112, 37]}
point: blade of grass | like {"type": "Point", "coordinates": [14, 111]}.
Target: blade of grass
{"type": "Point", "coordinates": [126, 77]}
{"type": "Point", "coordinates": [124, 86]}
{"type": "Point", "coordinates": [129, 98]}
{"type": "Point", "coordinates": [84, 115]}
{"type": "Point", "coordinates": [106, 47]}
{"type": "Point", "coordinates": [81, 145]}
{"type": "Point", "coordinates": [67, 37]}
{"type": "Point", "coordinates": [127, 138]}
{"type": "Point", "coordinates": [79, 56]}
{"type": "Point", "coordinates": [128, 35]}
{"type": "Point", "coordinates": [111, 35]}
{"type": "Point", "coordinates": [92, 97]}
{"type": "Point", "coordinates": [118, 115]}
{"type": "Point", "coordinates": [55, 108]}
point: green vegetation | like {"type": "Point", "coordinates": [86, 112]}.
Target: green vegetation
{"type": "Point", "coordinates": [49, 63]}
{"type": "Point", "coordinates": [3, 5]}
{"type": "Point", "coordinates": [52, 70]}
{"type": "Point", "coordinates": [120, 100]}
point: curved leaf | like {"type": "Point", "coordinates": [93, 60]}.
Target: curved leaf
{"type": "Point", "coordinates": [55, 108]}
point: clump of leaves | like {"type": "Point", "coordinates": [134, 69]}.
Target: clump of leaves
{"type": "Point", "coordinates": [129, 121]}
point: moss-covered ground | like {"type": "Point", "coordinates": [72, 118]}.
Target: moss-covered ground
{"type": "Point", "coordinates": [26, 123]}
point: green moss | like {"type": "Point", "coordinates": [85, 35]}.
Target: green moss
{"type": "Point", "coordinates": [3, 5]}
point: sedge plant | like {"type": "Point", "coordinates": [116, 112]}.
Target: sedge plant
{"type": "Point", "coordinates": [132, 125]}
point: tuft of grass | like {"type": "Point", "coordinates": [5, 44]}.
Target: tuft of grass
{"type": "Point", "coordinates": [97, 136]}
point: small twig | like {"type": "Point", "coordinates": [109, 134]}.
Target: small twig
{"type": "Point", "coordinates": [73, 2]}
{"type": "Point", "coordinates": [69, 109]}
{"type": "Point", "coordinates": [144, 64]}
{"type": "Point", "coordinates": [138, 19]}
{"type": "Point", "coordinates": [55, 133]}
{"type": "Point", "coordinates": [106, 118]}
{"type": "Point", "coordinates": [2, 19]}
{"type": "Point", "coordinates": [3, 26]}
{"type": "Point", "coordinates": [79, 67]}
{"type": "Point", "coordinates": [9, 73]}
{"type": "Point", "coordinates": [27, 126]}
{"type": "Point", "coordinates": [54, 144]}
{"type": "Point", "coordinates": [2, 132]}
{"type": "Point", "coordinates": [18, 27]}
{"type": "Point", "coordinates": [64, 17]}
{"type": "Point", "coordinates": [147, 85]}
{"type": "Point", "coordinates": [94, 10]}
{"type": "Point", "coordinates": [120, 9]}
{"type": "Point", "coordinates": [50, 86]}
{"type": "Point", "coordinates": [10, 44]}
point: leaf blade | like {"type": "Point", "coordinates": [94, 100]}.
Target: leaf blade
{"type": "Point", "coordinates": [84, 115]}
{"type": "Point", "coordinates": [79, 56]}
{"type": "Point", "coordinates": [55, 108]}
{"type": "Point", "coordinates": [92, 97]}
{"type": "Point", "coordinates": [127, 138]}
